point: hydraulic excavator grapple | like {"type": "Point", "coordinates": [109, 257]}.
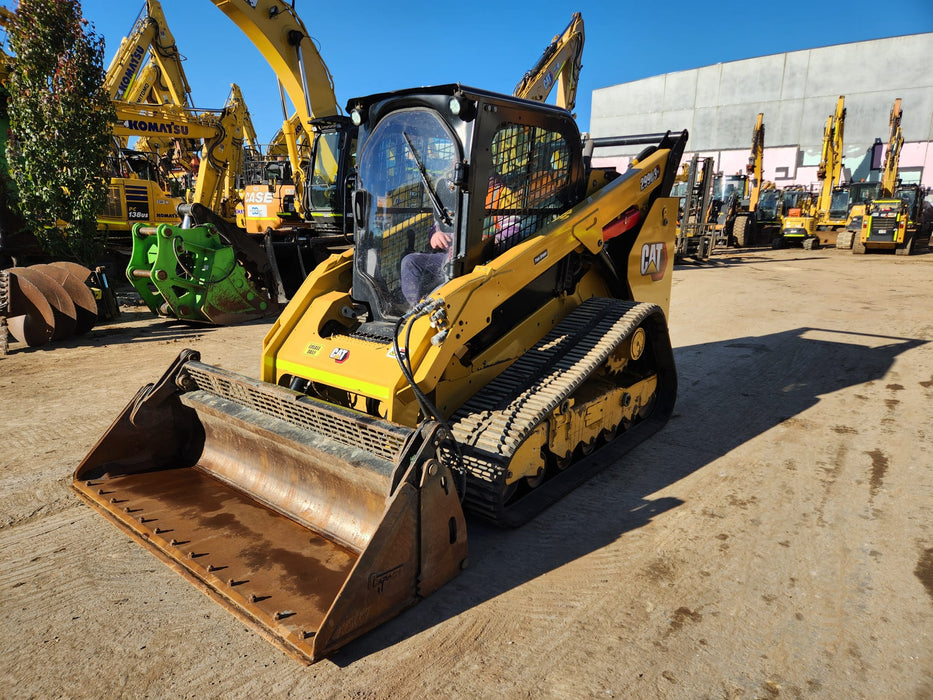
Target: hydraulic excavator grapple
{"type": "Point", "coordinates": [206, 271]}
{"type": "Point", "coordinates": [497, 334]}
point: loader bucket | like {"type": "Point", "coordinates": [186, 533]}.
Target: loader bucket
{"type": "Point", "coordinates": [312, 522]}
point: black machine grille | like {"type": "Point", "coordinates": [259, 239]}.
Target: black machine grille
{"type": "Point", "coordinates": [339, 424]}
{"type": "Point", "coordinates": [114, 207]}
{"type": "Point", "coordinates": [883, 228]}
{"type": "Point", "coordinates": [530, 186]}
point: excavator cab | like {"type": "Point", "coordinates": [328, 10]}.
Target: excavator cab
{"type": "Point", "coordinates": [328, 180]}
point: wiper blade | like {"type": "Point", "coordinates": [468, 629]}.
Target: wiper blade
{"type": "Point", "coordinates": [438, 205]}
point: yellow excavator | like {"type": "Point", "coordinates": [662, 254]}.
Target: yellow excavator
{"type": "Point", "coordinates": [143, 188]}
{"type": "Point", "coordinates": [137, 197]}
{"type": "Point", "coordinates": [558, 66]}
{"type": "Point", "coordinates": [179, 135]}
{"type": "Point", "coordinates": [813, 225]}
{"type": "Point", "coordinates": [746, 223]}
{"type": "Point", "coordinates": [497, 334]}
{"type": "Point", "coordinates": [859, 195]}
{"type": "Point", "coordinates": [897, 218]}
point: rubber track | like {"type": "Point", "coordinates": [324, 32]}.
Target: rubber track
{"type": "Point", "coordinates": [492, 425]}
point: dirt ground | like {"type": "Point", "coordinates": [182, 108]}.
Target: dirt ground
{"type": "Point", "coordinates": [774, 540]}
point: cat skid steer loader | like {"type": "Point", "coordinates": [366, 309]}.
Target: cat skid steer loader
{"type": "Point", "coordinates": [497, 334]}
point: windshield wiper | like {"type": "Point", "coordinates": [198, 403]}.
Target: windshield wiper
{"type": "Point", "coordinates": [438, 205]}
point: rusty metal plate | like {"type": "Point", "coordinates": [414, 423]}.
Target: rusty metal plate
{"type": "Point", "coordinates": [262, 565]}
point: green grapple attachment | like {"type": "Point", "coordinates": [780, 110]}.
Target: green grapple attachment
{"type": "Point", "coordinates": [195, 274]}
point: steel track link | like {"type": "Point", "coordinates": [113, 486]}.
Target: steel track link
{"type": "Point", "coordinates": [493, 424]}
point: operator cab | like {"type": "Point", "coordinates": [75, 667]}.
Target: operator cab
{"type": "Point", "coordinates": [476, 170]}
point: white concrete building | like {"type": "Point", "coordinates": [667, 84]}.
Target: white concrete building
{"type": "Point", "coordinates": [796, 92]}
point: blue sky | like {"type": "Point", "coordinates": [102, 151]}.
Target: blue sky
{"type": "Point", "coordinates": [374, 46]}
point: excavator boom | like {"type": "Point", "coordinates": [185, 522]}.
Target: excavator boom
{"type": "Point", "coordinates": [755, 159]}
{"type": "Point", "coordinates": [150, 35]}
{"type": "Point", "coordinates": [559, 66]}
{"type": "Point", "coordinates": [892, 154]}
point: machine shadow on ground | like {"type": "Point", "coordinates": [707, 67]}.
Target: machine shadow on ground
{"type": "Point", "coordinates": [133, 327]}
{"type": "Point", "coordinates": [732, 257]}
{"type": "Point", "coordinates": [729, 392]}
{"type": "Point", "coordinates": [747, 256]}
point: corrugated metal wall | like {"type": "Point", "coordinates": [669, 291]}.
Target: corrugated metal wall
{"type": "Point", "coordinates": [796, 92]}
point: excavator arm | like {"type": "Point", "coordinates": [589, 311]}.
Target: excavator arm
{"type": "Point", "coordinates": [250, 138]}
{"type": "Point", "coordinates": [830, 168]}
{"type": "Point", "coordinates": [281, 37]}
{"type": "Point", "coordinates": [893, 153]}
{"type": "Point", "coordinates": [285, 43]}
{"type": "Point", "coordinates": [754, 167]}
{"type": "Point", "coordinates": [560, 62]}
{"type": "Point", "coordinates": [150, 35]}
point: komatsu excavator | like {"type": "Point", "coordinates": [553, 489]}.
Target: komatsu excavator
{"type": "Point", "coordinates": [221, 135]}
{"type": "Point", "coordinates": [142, 188]}
{"type": "Point", "coordinates": [497, 334]}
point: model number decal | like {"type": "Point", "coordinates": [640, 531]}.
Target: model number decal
{"type": "Point", "coordinates": [648, 178]}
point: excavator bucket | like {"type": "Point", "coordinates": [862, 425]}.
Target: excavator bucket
{"type": "Point", "coordinates": [312, 522]}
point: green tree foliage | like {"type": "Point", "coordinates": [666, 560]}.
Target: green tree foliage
{"type": "Point", "coordinates": [60, 124]}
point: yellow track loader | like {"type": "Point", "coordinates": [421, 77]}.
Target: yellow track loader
{"type": "Point", "coordinates": [497, 335]}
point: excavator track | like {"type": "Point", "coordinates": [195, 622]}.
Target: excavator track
{"type": "Point", "coordinates": [492, 425]}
